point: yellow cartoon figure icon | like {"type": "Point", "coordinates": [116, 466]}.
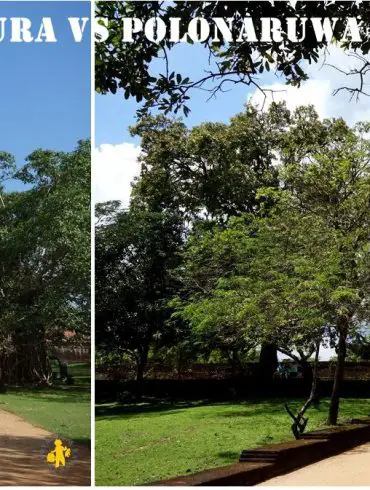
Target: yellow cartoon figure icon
{"type": "Point", "coordinates": [58, 456]}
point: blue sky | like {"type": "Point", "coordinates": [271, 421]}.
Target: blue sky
{"type": "Point", "coordinates": [189, 60]}
{"type": "Point", "coordinates": [114, 114]}
{"type": "Point", "coordinates": [45, 86]}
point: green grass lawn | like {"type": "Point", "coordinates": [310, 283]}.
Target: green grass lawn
{"type": "Point", "coordinates": [61, 409]}
{"type": "Point", "coordinates": [145, 443]}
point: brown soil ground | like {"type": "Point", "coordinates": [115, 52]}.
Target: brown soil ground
{"type": "Point", "coordinates": [351, 468]}
{"type": "Point", "coordinates": [22, 458]}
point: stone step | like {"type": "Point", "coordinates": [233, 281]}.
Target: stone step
{"type": "Point", "coordinates": [258, 455]}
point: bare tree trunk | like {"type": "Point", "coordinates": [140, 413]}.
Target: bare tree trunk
{"type": "Point", "coordinates": [313, 393]}
{"type": "Point", "coordinates": [29, 358]}
{"type": "Point", "coordinates": [179, 365]}
{"type": "Point", "coordinates": [338, 378]}
{"type": "Point", "coordinates": [141, 362]}
{"type": "Point", "coordinates": [140, 371]}
{"type": "Point", "coordinates": [234, 361]}
{"type": "Point", "coordinates": [307, 372]}
{"type": "Point", "coordinates": [267, 363]}
{"type": "Point", "coordinates": [299, 422]}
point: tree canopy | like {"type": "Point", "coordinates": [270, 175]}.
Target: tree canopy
{"type": "Point", "coordinates": [299, 272]}
{"type": "Point", "coordinates": [135, 252]}
{"type": "Point", "coordinates": [45, 257]}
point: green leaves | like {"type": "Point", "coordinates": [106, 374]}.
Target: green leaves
{"type": "Point", "coordinates": [45, 245]}
{"type": "Point", "coordinates": [7, 167]}
{"type": "Point", "coordinates": [135, 251]}
{"type": "Point", "coordinates": [238, 234]}
{"type": "Point", "coordinates": [297, 270]}
{"type": "Point", "coordinates": [131, 65]}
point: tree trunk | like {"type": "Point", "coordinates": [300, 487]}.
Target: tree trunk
{"type": "Point", "coordinates": [338, 378]}
{"type": "Point", "coordinates": [313, 393]}
{"type": "Point", "coordinates": [179, 365]}
{"type": "Point", "coordinates": [140, 371]}
{"type": "Point", "coordinates": [141, 362]}
{"type": "Point", "coordinates": [234, 362]}
{"type": "Point", "coordinates": [307, 372]}
{"type": "Point", "coordinates": [300, 422]}
{"type": "Point", "coordinates": [267, 363]}
{"type": "Point", "coordinates": [314, 371]}
{"type": "Point", "coordinates": [29, 359]}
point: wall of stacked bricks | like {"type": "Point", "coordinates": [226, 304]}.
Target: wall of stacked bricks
{"type": "Point", "coordinates": [353, 370]}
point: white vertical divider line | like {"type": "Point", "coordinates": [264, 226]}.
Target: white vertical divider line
{"type": "Point", "coordinates": [92, 290]}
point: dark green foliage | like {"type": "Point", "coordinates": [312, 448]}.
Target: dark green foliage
{"type": "Point", "coordinates": [359, 347]}
{"type": "Point", "coordinates": [212, 170]}
{"type": "Point", "coordinates": [45, 260]}
{"type": "Point", "coordinates": [135, 251]}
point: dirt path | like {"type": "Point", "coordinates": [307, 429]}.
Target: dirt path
{"type": "Point", "coordinates": [22, 461]}
{"type": "Point", "coordinates": [351, 468]}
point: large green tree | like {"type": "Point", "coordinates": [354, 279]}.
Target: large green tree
{"type": "Point", "coordinates": [211, 172]}
{"type": "Point", "coordinates": [301, 271]}
{"type": "Point", "coordinates": [335, 187]}
{"type": "Point", "coordinates": [45, 259]}
{"type": "Point", "coordinates": [135, 251]}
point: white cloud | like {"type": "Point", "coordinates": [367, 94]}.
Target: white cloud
{"type": "Point", "coordinates": [115, 167]}
{"type": "Point", "coordinates": [318, 90]}
{"type": "Point", "coordinates": [312, 92]}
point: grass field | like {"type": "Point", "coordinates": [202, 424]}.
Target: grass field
{"type": "Point", "coordinates": [145, 443]}
{"type": "Point", "coordinates": [61, 409]}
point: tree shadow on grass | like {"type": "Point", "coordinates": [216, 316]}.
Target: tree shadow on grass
{"type": "Point", "coordinates": [230, 456]}
{"type": "Point", "coordinates": [260, 407]}
{"type": "Point", "coordinates": [253, 407]}
{"type": "Point", "coordinates": [151, 405]}
{"type": "Point", "coordinates": [146, 406]}
{"type": "Point", "coordinates": [55, 389]}
{"type": "Point", "coordinates": [59, 394]}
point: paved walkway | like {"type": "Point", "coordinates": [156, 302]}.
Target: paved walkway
{"type": "Point", "coordinates": [21, 457]}
{"type": "Point", "coordinates": [351, 468]}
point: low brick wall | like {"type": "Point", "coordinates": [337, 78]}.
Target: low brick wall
{"type": "Point", "coordinates": [356, 370]}
{"type": "Point", "coordinates": [224, 389]}
{"type": "Point", "coordinates": [274, 460]}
